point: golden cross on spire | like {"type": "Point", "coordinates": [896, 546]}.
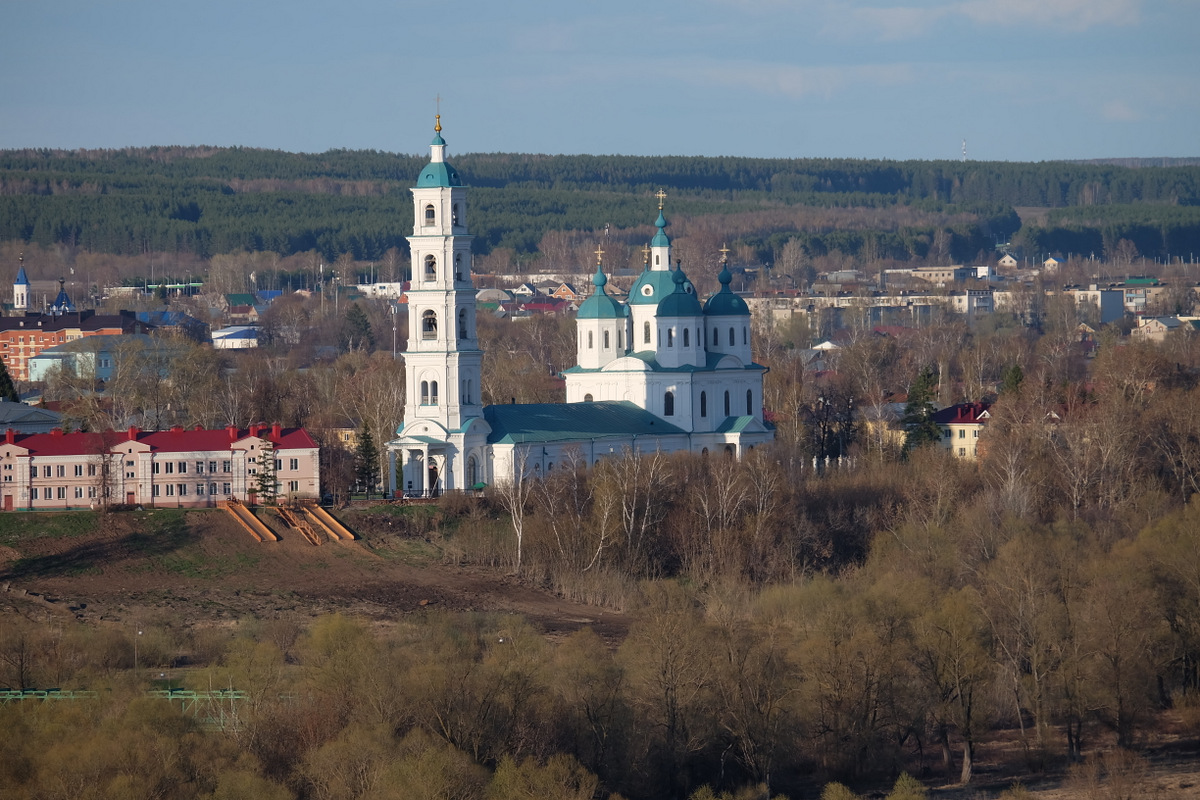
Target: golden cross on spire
{"type": "Point", "coordinates": [724, 254]}
{"type": "Point", "coordinates": [599, 255]}
{"type": "Point", "coordinates": [646, 254]}
{"type": "Point", "coordinates": [438, 124]}
{"type": "Point", "coordinates": [661, 195]}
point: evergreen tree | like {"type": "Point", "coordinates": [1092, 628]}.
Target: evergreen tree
{"type": "Point", "coordinates": [267, 484]}
{"type": "Point", "coordinates": [356, 329]}
{"type": "Point", "coordinates": [366, 460]}
{"type": "Point", "coordinates": [1010, 380]}
{"type": "Point", "coordinates": [920, 429]}
{"type": "Point", "coordinates": [7, 390]}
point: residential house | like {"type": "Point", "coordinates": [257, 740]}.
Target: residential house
{"type": "Point", "coordinates": [1007, 261]}
{"type": "Point", "coordinates": [235, 337]}
{"type": "Point", "coordinates": [566, 291]}
{"type": "Point", "coordinates": [175, 322]}
{"type": "Point", "coordinates": [24, 418]}
{"type": "Point", "coordinates": [173, 468]}
{"type": "Point", "coordinates": [22, 338]}
{"type": "Point", "coordinates": [1053, 264]}
{"type": "Point", "coordinates": [961, 426]}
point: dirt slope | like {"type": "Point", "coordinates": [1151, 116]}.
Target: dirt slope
{"type": "Point", "coordinates": [202, 566]}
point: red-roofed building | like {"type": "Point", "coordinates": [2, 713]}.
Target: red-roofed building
{"type": "Point", "coordinates": [176, 468]}
{"type": "Point", "coordinates": [961, 425]}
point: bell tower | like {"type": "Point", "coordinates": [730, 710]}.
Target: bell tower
{"type": "Point", "coordinates": [443, 362]}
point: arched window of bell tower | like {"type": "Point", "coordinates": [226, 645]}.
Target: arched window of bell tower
{"type": "Point", "coordinates": [686, 343]}
{"type": "Point", "coordinates": [430, 268]}
{"type": "Point", "coordinates": [731, 337]}
{"type": "Point", "coordinates": [716, 338]}
{"type": "Point", "coordinates": [430, 214]}
{"type": "Point", "coordinates": [749, 402]}
{"type": "Point", "coordinates": [462, 323]}
{"type": "Point", "coordinates": [429, 325]}
{"type": "Point", "coordinates": [704, 404]}
{"type": "Point", "coordinates": [591, 341]}
{"type": "Point", "coordinates": [646, 333]}
{"type": "Point", "coordinates": [458, 273]}
{"type": "Point", "coordinates": [454, 215]}
{"type": "Point", "coordinates": [424, 393]}
{"type": "Point", "coordinates": [669, 404]}
{"type": "Point", "coordinates": [727, 404]}
{"type": "Point", "coordinates": [433, 393]}
{"type": "Point", "coordinates": [607, 343]}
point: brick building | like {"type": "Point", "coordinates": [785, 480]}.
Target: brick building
{"type": "Point", "coordinates": [22, 338]}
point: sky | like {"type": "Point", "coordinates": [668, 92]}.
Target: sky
{"type": "Point", "coordinates": [1019, 80]}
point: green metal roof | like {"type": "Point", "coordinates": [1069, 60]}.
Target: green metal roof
{"type": "Point", "coordinates": [660, 239]}
{"type": "Point", "coordinates": [600, 305]}
{"type": "Point", "coordinates": [735, 424]}
{"type": "Point", "coordinates": [681, 302]}
{"type": "Point", "coordinates": [550, 422]}
{"type": "Point", "coordinates": [661, 285]}
{"type": "Point", "coordinates": [438, 173]}
{"type": "Point", "coordinates": [725, 303]}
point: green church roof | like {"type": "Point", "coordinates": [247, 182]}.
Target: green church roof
{"type": "Point", "coordinates": [725, 303]}
{"type": "Point", "coordinates": [681, 302]}
{"type": "Point", "coordinates": [600, 305]}
{"type": "Point", "coordinates": [552, 422]}
{"type": "Point", "coordinates": [438, 173]}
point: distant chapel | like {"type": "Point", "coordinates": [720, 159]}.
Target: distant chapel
{"type": "Point", "coordinates": [662, 372]}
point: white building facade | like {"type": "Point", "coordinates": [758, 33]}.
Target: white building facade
{"type": "Point", "coordinates": [659, 373]}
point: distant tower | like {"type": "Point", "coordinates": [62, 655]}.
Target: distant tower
{"type": "Point", "coordinates": [21, 288]}
{"type": "Point", "coordinates": [964, 158]}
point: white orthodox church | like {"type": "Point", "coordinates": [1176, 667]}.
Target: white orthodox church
{"type": "Point", "coordinates": [663, 372]}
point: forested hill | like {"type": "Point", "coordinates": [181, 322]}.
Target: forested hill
{"type": "Point", "coordinates": [213, 200]}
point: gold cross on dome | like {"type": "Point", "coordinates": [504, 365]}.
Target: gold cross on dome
{"type": "Point", "coordinates": [599, 254]}
{"type": "Point", "coordinates": [661, 195]}
{"type": "Point", "coordinates": [646, 254]}
{"type": "Point", "coordinates": [438, 126]}
{"type": "Point", "coordinates": [724, 253]}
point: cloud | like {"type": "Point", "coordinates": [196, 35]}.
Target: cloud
{"type": "Point", "coordinates": [906, 22]}
{"type": "Point", "coordinates": [1119, 111]}
{"type": "Point", "coordinates": [791, 81]}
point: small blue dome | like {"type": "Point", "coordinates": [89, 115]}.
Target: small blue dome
{"type": "Point", "coordinates": [600, 305]}
{"type": "Point", "coordinates": [725, 303]}
{"type": "Point", "coordinates": [681, 302]}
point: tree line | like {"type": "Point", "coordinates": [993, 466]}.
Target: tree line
{"type": "Point", "coordinates": [217, 200]}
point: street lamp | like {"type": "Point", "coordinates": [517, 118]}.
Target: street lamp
{"type": "Point", "coordinates": [135, 650]}
{"type": "Point", "coordinates": [392, 307]}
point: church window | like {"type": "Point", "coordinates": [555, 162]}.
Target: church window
{"type": "Point", "coordinates": [731, 337]}
{"type": "Point", "coordinates": [749, 402]}
{"type": "Point", "coordinates": [430, 268]}
{"type": "Point", "coordinates": [591, 341]}
{"type": "Point", "coordinates": [454, 214]}
{"type": "Point", "coordinates": [745, 336]}
{"type": "Point", "coordinates": [716, 339]}
{"type": "Point", "coordinates": [429, 325]}
{"type": "Point", "coordinates": [669, 404]}
{"type": "Point", "coordinates": [686, 343]}
{"type": "Point", "coordinates": [462, 323]}
{"type": "Point", "coordinates": [704, 404]}
{"type": "Point", "coordinates": [458, 274]}
{"type": "Point", "coordinates": [727, 404]}
{"type": "Point", "coordinates": [607, 342]}
{"type": "Point", "coordinates": [670, 337]}
{"type": "Point", "coordinates": [587, 398]}
{"type": "Point", "coordinates": [470, 390]}
{"type": "Point", "coordinates": [433, 394]}
{"type": "Point", "coordinates": [472, 472]}
{"type": "Point", "coordinates": [646, 333]}
{"type": "Point", "coordinates": [424, 393]}
{"type": "Point", "coordinates": [430, 215]}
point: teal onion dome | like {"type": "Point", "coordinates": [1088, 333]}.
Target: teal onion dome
{"type": "Point", "coordinates": [725, 303]}
{"type": "Point", "coordinates": [681, 302]}
{"type": "Point", "coordinates": [600, 305]}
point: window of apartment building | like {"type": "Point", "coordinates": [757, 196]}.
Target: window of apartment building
{"type": "Point", "coordinates": [278, 464]}
{"type": "Point", "coordinates": [293, 486]}
{"type": "Point", "coordinates": [225, 466]}
{"type": "Point", "coordinates": [78, 492]}
{"type": "Point", "coordinates": [212, 466]}
{"type": "Point", "coordinates": [183, 490]}
{"type": "Point", "coordinates": [225, 488]}
{"type": "Point", "coordinates": [79, 470]}
{"type": "Point", "coordinates": [962, 451]}
{"type": "Point", "coordinates": [975, 434]}
{"type": "Point", "coordinates": [199, 488]}
{"type": "Point", "coordinates": [91, 491]}
{"type": "Point", "coordinates": [212, 488]}
{"type": "Point", "coordinates": [46, 472]}
{"type": "Point", "coordinates": [8, 478]}
{"type": "Point", "coordinates": [154, 490]}
{"type": "Point", "coordinates": [182, 467]}
{"type": "Point", "coordinates": [962, 433]}
{"type": "Point", "coordinates": [32, 473]}
{"type": "Point", "coordinates": [91, 469]}
{"type": "Point", "coordinates": [293, 463]}
{"type": "Point", "coordinates": [170, 489]}
{"type": "Point", "coordinates": [60, 471]}
{"type": "Point", "coordinates": [252, 471]}
{"type": "Point", "coordinates": [169, 468]}
{"type": "Point", "coordinates": [199, 467]}
{"type": "Point", "coordinates": [33, 493]}
{"type": "Point", "coordinates": [61, 493]}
